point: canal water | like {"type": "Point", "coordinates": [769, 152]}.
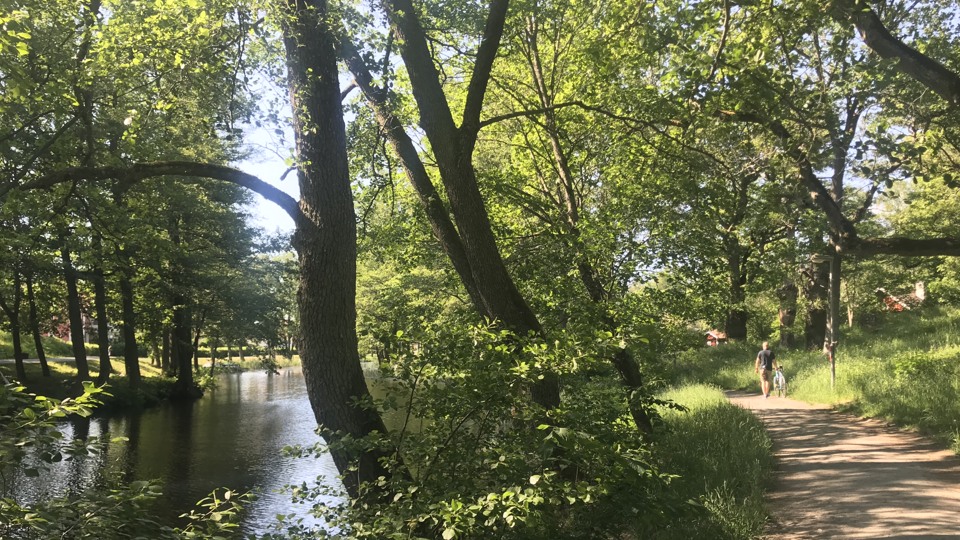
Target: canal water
{"type": "Point", "coordinates": [231, 438]}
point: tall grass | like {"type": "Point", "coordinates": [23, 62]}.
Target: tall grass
{"type": "Point", "coordinates": [904, 368]}
{"type": "Point", "coordinates": [722, 458]}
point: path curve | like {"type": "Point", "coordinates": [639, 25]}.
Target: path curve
{"type": "Point", "coordinates": [839, 476]}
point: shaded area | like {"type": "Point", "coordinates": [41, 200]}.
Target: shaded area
{"type": "Point", "coordinates": [839, 476]}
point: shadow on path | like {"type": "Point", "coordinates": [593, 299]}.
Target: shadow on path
{"type": "Point", "coordinates": [839, 476]}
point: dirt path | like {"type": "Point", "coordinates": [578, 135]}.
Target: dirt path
{"type": "Point", "coordinates": [839, 476]}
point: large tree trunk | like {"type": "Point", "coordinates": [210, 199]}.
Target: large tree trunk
{"type": "Point", "coordinates": [35, 328]}
{"type": "Point", "coordinates": [815, 290]}
{"type": "Point", "coordinates": [787, 296]}
{"type": "Point", "coordinates": [182, 349]}
{"type": "Point", "coordinates": [737, 316]}
{"type": "Point", "coordinates": [326, 245]}
{"type": "Point", "coordinates": [75, 312]}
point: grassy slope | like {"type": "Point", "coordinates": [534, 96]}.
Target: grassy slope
{"type": "Point", "coordinates": [905, 368]}
{"type": "Point", "coordinates": [723, 459]}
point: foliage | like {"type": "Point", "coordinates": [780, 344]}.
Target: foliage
{"type": "Point", "coordinates": [470, 466]}
{"type": "Point", "coordinates": [723, 460]}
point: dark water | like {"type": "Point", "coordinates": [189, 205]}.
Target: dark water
{"type": "Point", "coordinates": [230, 438]}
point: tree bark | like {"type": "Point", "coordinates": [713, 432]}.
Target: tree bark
{"type": "Point", "coordinates": [815, 292]}
{"type": "Point", "coordinates": [165, 364]}
{"type": "Point", "coordinates": [35, 328]}
{"type": "Point", "coordinates": [453, 150]}
{"type": "Point", "coordinates": [13, 315]}
{"type": "Point", "coordinates": [325, 240]}
{"type": "Point", "coordinates": [787, 314]}
{"type": "Point", "coordinates": [103, 337]}
{"type": "Point", "coordinates": [737, 316]}
{"type": "Point", "coordinates": [131, 355]}
{"type": "Point", "coordinates": [907, 60]}
{"type": "Point", "coordinates": [75, 312]}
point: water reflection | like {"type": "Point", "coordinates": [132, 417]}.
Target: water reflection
{"type": "Point", "coordinates": [231, 438]}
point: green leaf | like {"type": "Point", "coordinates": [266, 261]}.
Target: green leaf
{"type": "Point", "coordinates": [449, 533]}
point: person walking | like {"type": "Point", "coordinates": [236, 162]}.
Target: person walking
{"type": "Point", "coordinates": [764, 367]}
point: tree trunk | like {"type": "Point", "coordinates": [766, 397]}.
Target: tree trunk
{"type": "Point", "coordinates": [13, 315]}
{"type": "Point", "coordinates": [787, 295]}
{"type": "Point", "coordinates": [35, 328]}
{"type": "Point", "coordinates": [737, 316]}
{"type": "Point", "coordinates": [103, 337]}
{"type": "Point", "coordinates": [326, 245]}
{"type": "Point", "coordinates": [453, 150]}
{"type": "Point", "coordinates": [131, 355]}
{"type": "Point", "coordinates": [128, 327]}
{"type": "Point", "coordinates": [182, 349]}
{"type": "Point", "coordinates": [815, 290]}
{"type": "Point", "coordinates": [196, 341]}
{"type": "Point", "coordinates": [76, 314]}
{"type": "Point", "coordinates": [165, 364]}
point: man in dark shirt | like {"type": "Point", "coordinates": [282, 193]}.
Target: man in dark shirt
{"type": "Point", "coordinates": [764, 366]}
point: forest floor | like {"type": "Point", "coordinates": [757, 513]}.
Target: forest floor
{"type": "Point", "coordinates": [839, 476]}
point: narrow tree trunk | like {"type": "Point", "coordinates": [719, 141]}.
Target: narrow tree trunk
{"type": "Point", "coordinates": [103, 337]}
{"type": "Point", "coordinates": [131, 354]}
{"type": "Point", "coordinates": [76, 314]}
{"type": "Point", "coordinates": [196, 341]}
{"type": "Point", "coordinates": [35, 328]}
{"type": "Point", "coordinates": [165, 364]}
{"type": "Point", "coordinates": [13, 315]}
{"type": "Point", "coordinates": [128, 327]}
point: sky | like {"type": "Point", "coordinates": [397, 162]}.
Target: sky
{"type": "Point", "coordinates": [266, 162]}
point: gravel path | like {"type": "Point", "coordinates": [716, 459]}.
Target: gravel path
{"type": "Point", "coordinates": [839, 476]}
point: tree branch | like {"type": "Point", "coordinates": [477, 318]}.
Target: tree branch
{"type": "Point", "coordinates": [486, 54]}
{"type": "Point", "coordinates": [140, 171]}
{"type": "Point", "coordinates": [818, 193]}
{"type": "Point", "coordinates": [906, 247]}
{"type": "Point", "coordinates": [909, 61]}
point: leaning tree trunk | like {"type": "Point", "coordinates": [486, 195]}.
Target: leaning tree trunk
{"type": "Point", "coordinates": [325, 241]}
{"type": "Point", "coordinates": [75, 312]}
{"type": "Point", "coordinates": [35, 328]}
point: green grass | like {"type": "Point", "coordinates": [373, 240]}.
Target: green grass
{"type": "Point", "coordinates": [904, 368]}
{"type": "Point", "coordinates": [52, 347]}
{"type": "Point", "coordinates": [722, 458]}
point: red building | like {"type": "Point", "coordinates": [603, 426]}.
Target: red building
{"type": "Point", "coordinates": [715, 337]}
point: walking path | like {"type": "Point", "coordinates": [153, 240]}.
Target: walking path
{"type": "Point", "coordinates": [839, 476]}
